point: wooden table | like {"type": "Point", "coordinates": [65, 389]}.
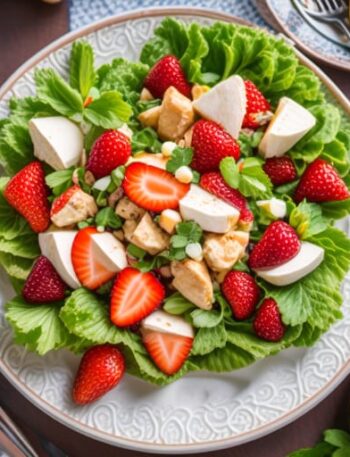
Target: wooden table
{"type": "Point", "coordinates": [25, 27]}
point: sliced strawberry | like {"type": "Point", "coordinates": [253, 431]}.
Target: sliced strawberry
{"type": "Point", "coordinates": [165, 73]}
{"type": "Point", "coordinates": [257, 107]}
{"type": "Point", "coordinates": [134, 296]}
{"type": "Point", "coordinates": [61, 201]}
{"type": "Point", "coordinates": [27, 193]}
{"type": "Point", "coordinates": [321, 183]}
{"type": "Point", "coordinates": [100, 370]}
{"type": "Point", "coordinates": [211, 143]}
{"type": "Point", "coordinates": [90, 272]}
{"type": "Point", "coordinates": [43, 285]}
{"type": "Point", "coordinates": [168, 351]}
{"type": "Point", "coordinates": [152, 188]}
{"type": "Point", "coordinates": [278, 244]}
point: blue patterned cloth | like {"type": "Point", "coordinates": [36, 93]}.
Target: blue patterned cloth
{"type": "Point", "coordinates": [83, 12]}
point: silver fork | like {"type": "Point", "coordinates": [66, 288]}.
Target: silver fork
{"type": "Point", "coordinates": [335, 11]}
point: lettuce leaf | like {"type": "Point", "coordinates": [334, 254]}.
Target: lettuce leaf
{"type": "Point", "coordinates": [38, 327]}
{"type": "Point", "coordinates": [81, 67]}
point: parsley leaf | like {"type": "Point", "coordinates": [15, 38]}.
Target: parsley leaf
{"type": "Point", "coordinates": [249, 141]}
{"type": "Point", "coordinates": [81, 67]}
{"type": "Point", "coordinates": [53, 90]}
{"type": "Point", "coordinates": [109, 111]}
{"type": "Point", "coordinates": [106, 217]}
{"type": "Point", "coordinates": [59, 181]}
{"type": "Point", "coordinates": [186, 233]}
{"type": "Point", "coordinates": [136, 252]}
{"type": "Point", "coordinates": [146, 140]}
{"type": "Point", "coordinates": [179, 158]}
{"type": "Point", "coordinates": [254, 182]}
{"type": "Point", "coordinates": [229, 171]}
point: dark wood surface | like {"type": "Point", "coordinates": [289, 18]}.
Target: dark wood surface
{"type": "Point", "coordinates": [26, 26]}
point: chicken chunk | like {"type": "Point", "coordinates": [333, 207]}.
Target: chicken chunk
{"type": "Point", "coordinates": [192, 280]}
{"type": "Point", "coordinates": [128, 210]}
{"type": "Point", "coordinates": [176, 115]}
{"type": "Point", "coordinates": [129, 228]}
{"type": "Point", "coordinates": [221, 252]}
{"type": "Point", "coordinates": [150, 117]}
{"type": "Point", "coordinates": [79, 207]}
{"type": "Point", "coordinates": [147, 235]}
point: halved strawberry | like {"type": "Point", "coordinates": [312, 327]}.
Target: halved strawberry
{"type": "Point", "coordinates": [152, 188]}
{"type": "Point", "coordinates": [134, 296]}
{"type": "Point", "coordinates": [90, 272]}
{"type": "Point", "coordinates": [61, 201]}
{"type": "Point", "coordinates": [257, 107]}
{"type": "Point", "coordinates": [168, 351]}
{"type": "Point", "coordinates": [27, 193]}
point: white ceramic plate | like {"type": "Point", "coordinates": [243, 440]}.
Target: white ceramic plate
{"type": "Point", "coordinates": [202, 411]}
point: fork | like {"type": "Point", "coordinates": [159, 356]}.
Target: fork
{"type": "Point", "coordinates": [328, 11]}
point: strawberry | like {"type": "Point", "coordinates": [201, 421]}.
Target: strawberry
{"type": "Point", "coordinates": [90, 272]}
{"type": "Point", "coordinates": [267, 323]}
{"type": "Point", "coordinates": [100, 369]}
{"type": "Point", "coordinates": [280, 170]}
{"type": "Point", "coordinates": [165, 73]}
{"type": "Point", "coordinates": [321, 183]}
{"type": "Point", "coordinates": [278, 244]}
{"type": "Point", "coordinates": [152, 188]}
{"type": "Point", "coordinates": [214, 183]}
{"type": "Point", "coordinates": [61, 201]}
{"type": "Point", "coordinates": [242, 293]}
{"type": "Point", "coordinates": [27, 193]}
{"type": "Point", "coordinates": [168, 351]}
{"type": "Point", "coordinates": [43, 285]}
{"type": "Point", "coordinates": [134, 296]}
{"type": "Point", "coordinates": [256, 107]}
{"type": "Point", "coordinates": [211, 143]}
{"type": "Point", "coordinates": [110, 150]}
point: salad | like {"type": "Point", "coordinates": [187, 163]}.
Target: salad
{"type": "Point", "coordinates": [174, 214]}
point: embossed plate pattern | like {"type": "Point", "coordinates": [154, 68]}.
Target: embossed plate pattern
{"type": "Point", "coordinates": [202, 411]}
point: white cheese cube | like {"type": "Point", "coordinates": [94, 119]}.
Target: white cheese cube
{"type": "Point", "coordinates": [275, 207]}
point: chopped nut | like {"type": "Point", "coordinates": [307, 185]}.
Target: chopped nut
{"type": "Point", "coordinates": [221, 252]}
{"type": "Point", "coordinates": [176, 115]}
{"type": "Point", "coordinates": [168, 220]}
{"type": "Point", "coordinates": [119, 234]}
{"type": "Point", "coordinates": [146, 95]}
{"type": "Point", "coordinates": [165, 271]}
{"type": "Point", "coordinates": [195, 251]}
{"type": "Point", "coordinates": [89, 178]}
{"type": "Point", "coordinates": [192, 280]}
{"type": "Point", "coordinates": [114, 197]}
{"type": "Point", "coordinates": [128, 210]}
{"type": "Point", "coordinates": [147, 235]}
{"type": "Point", "coordinates": [150, 117]}
{"type": "Point", "coordinates": [198, 90]}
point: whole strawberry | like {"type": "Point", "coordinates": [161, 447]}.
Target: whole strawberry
{"type": "Point", "coordinates": [27, 193]}
{"type": "Point", "coordinates": [109, 151]}
{"type": "Point", "coordinates": [165, 73]}
{"type": "Point", "coordinates": [211, 143]}
{"type": "Point", "coordinates": [256, 107]}
{"type": "Point", "coordinates": [100, 369]}
{"type": "Point", "coordinates": [43, 285]}
{"type": "Point", "coordinates": [321, 183]}
{"type": "Point", "coordinates": [280, 170]}
{"type": "Point", "coordinates": [278, 244]}
{"type": "Point", "coordinates": [267, 323]}
{"type": "Point", "coordinates": [242, 293]}
{"type": "Point", "coordinates": [214, 183]}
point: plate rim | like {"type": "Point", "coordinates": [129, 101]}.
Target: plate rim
{"type": "Point", "coordinates": [329, 61]}
{"type": "Point", "coordinates": [124, 442]}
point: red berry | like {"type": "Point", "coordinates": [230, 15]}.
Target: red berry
{"type": "Point", "coordinates": [257, 105]}
{"type": "Point", "coordinates": [168, 351]}
{"type": "Point", "coordinates": [321, 183]}
{"type": "Point", "coordinates": [242, 292]}
{"type": "Point", "coordinates": [109, 151]}
{"type": "Point", "coordinates": [152, 188]}
{"type": "Point", "coordinates": [134, 296]}
{"type": "Point", "coordinates": [214, 183]}
{"type": "Point", "coordinates": [100, 369]}
{"type": "Point", "coordinates": [278, 244]}
{"type": "Point", "coordinates": [27, 193]}
{"type": "Point", "coordinates": [267, 323]}
{"type": "Point", "coordinates": [165, 73]}
{"type": "Point", "coordinates": [280, 170]}
{"type": "Point", "coordinates": [211, 143]}
{"type": "Point", "coordinates": [43, 285]}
